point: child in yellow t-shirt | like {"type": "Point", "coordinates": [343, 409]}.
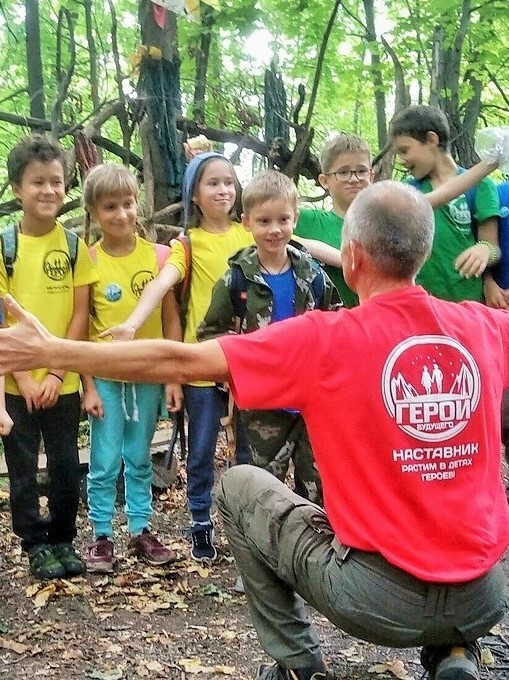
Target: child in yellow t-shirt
{"type": "Point", "coordinates": [210, 193]}
{"type": "Point", "coordinates": [123, 416]}
{"type": "Point", "coordinates": [49, 271]}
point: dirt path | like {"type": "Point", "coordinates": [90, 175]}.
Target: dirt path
{"type": "Point", "coordinates": [179, 623]}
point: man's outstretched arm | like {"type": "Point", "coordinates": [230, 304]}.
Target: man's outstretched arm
{"type": "Point", "coordinates": [29, 345]}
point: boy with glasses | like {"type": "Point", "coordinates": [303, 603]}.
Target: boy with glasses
{"type": "Point", "coordinates": [346, 169]}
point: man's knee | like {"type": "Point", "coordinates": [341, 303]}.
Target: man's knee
{"type": "Point", "coordinates": [239, 483]}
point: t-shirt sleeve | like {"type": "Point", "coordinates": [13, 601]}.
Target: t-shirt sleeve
{"type": "Point", "coordinates": [84, 270]}
{"type": "Point", "coordinates": [177, 257]}
{"type": "Point", "coordinates": [305, 226]}
{"type": "Point", "coordinates": [487, 203]}
{"type": "Point", "coordinates": [274, 367]}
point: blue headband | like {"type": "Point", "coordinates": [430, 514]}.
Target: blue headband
{"type": "Point", "coordinates": [189, 182]}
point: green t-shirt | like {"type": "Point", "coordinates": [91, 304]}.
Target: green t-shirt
{"type": "Point", "coordinates": [326, 227]}
{"type": "Point", "coordinates": [453, 234]}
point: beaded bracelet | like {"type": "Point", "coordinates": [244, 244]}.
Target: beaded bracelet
{"type": "Point", "coordinates": [58, 377]}
{"type": "Point", "coordinates": [495, 252]}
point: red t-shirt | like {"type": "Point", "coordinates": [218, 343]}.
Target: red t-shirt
{"type": "Point", "coordinates": [401, 397]}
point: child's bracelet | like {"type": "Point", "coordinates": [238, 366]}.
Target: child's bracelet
{"type": "Point", "coordinates": [58, 377]}
{"type": "Point", "coordinates": [495, 252]}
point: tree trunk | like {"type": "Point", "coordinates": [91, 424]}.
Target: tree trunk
{"type": "Point", "coordinates": [445, 88]}
{"type": "Point", "coordinates": [34, 61]}
{"type": "Point", "coordinates": [376, 72]}
{"type": "Point", "coordinates": [202, 62]}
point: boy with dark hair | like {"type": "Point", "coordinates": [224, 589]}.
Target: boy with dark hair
{"type": "Point", "coordinates": [53, 283]}
{"type": "Point", "coordinates": [345, 162]}
{"type": "Point", "coordinates": [466, 228]}
{"type": "Point", "coordinates": [268, 282]}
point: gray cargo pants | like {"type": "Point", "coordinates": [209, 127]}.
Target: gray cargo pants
{"type": "Point", "coordinates": [284, 548]}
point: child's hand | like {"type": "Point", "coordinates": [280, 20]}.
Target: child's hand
{"type": "Point", "coordinates": [29, 390]}
{"type": "Point", "coordinates": [120, 332]}
{"type": "Point", "coordinates": [49, 391]}
{"type": "Point", "coordinates": [92, 404]}
{"type": "Point", "coordinates": [494, 295]}
{"type": "Point", "coordinates": [5, 423]}
{"type": "Point", "coordinates": [174, 397]}
{"type": "Point", "coordinates": [473, 261]}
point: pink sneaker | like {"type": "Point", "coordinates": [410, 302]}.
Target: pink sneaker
{"type": "Point", "coordinates": [100, 556]}
{"type": "Point", "coordinates": [150, 550]}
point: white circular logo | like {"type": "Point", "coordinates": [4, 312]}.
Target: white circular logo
{"type": "Point", "coordinates": [431, 387]}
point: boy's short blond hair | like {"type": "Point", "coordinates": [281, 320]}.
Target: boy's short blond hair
{"type": "Point", "coordinates": [339, 144]}
{"type": "Point", "coordinates": [266, 186]}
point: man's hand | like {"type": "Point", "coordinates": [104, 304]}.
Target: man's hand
{"type": "Point", "coordinates": [120, 332]}
{"type": "Point", "coordinates": [473, 261]}
{"type": "Point", "coordinates": [23, 346]}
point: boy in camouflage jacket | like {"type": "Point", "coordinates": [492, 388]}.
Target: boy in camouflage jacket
{"type": "Point", "coordinates": [266, 283]}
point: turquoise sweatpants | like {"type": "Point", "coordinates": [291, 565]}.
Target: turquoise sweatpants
{"type": "Point", "coordinates": [123, 434]}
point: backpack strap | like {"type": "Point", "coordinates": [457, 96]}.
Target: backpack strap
{"type": "Point", "coordinates": [9, 241]}
{"type": "Point", "coordinates": [238, 295]}
{"type": "Point", "coordinates": [72, 245]}
{"type": "Point", "coordinates": [318, 286]}
{"type": "Point", "coordinates": [162, 253]}
{"type": "Point", "coordinates": [183, 289]}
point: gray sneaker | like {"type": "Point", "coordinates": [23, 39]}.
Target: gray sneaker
{"type": "Point", "coordinates": [453, 663]}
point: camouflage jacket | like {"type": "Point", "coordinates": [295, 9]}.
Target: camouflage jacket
{"type": "Point", "coordinates": [220, 318]}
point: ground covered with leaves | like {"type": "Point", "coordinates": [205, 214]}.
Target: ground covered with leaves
{"type": "Point", "coordinates": [178, 623]}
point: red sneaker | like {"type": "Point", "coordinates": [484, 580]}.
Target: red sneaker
{"type": "Point", "coordinates": [100, 556]}
{"type": "Point", "coordinates": [150, 550]}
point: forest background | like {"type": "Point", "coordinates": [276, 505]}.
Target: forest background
{"type": "Point", "coordinates": [267, 80]}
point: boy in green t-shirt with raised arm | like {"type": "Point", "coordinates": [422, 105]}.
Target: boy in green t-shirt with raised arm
{"type": "Point", "coordinates": [466, 228]}
{"type": "Point", "coordinates": [346, 169]}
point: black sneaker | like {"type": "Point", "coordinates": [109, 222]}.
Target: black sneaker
{"type": "Point", "coordinates": [44, 564]}
{"type": "Point", "coordinates": [202, 537]}
{"type": "Point", "coordinates": [277, 672]}
{"type": "Point", "coordinates": [66, 555]}
{"type": "Point", "coordinates": [453, 663]}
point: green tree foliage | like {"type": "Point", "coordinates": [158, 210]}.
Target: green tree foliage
{"type": "Point", "coordinates": [378, 57]}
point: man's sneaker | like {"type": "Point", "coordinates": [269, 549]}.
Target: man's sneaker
{"type": "Point", "coordinates": [202, 537]}
{"type": "Point", "coordinates": [452, 663]}
{"type": "Point", "coordinates": [150, 550]}
{"type": "Point", "coordinates": [100, 556]}
{"type": "Point", "coordinates": [277, 672]}
{"type": "Point", "coordinates": [66, 555]}
{"type": "Point", "coordinates": [44, 564]}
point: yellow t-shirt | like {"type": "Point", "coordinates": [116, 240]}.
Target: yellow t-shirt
{"type": "Point", "coordinates": [117, 292]}
{"type": "Point", "coordinates": [43, 283]}
{"type": "Point", "coordinates": [209, 255]}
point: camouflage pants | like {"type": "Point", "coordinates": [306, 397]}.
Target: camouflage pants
{"type": "Point", "coordinates": [277, 437]}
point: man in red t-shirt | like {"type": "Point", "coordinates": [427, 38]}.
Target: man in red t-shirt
{"type": "Point", "coordinates": [398, 396]}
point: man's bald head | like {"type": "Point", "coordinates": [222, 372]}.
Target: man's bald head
{"type": "Point", "coordinates": [394, 224]}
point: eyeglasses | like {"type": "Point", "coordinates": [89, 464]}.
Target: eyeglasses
{"type": "Point", "coordinates": [346, 174]}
